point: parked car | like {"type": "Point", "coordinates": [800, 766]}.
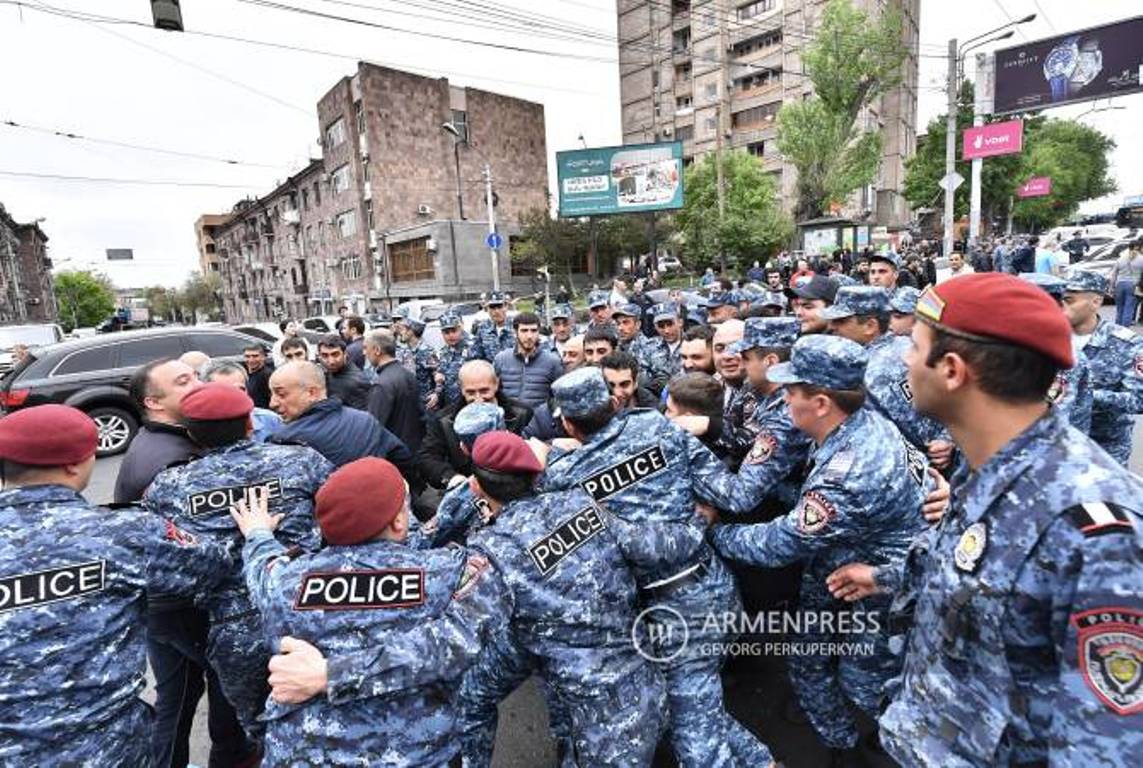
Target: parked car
{"type": "Point", "coordinates": [36, 335]}
{"type": "Point", "coordinates": [670, 263]}
{"type": "Point", "coordinates": [93, 374]}
{"type": "Point", "coordinates": [270, 332]}
{"type": "Point", "coordinates": [321, 323]}
{"type": "Point", "coordinates": [1102, 259]}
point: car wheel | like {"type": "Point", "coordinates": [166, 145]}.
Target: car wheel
{"type": "Point", "coordinates": [116, 428]}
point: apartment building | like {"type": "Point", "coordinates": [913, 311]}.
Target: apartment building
{"type": "Point", "coordinates": [26, 288]}
{"type": "Point", "coordinates": [394, 209]}
{"type": "Point", "coordinates": [711, 72]}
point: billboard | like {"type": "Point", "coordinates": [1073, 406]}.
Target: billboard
{"type": "Point", "coordinates": [1037, 186]}
{"type": "Point", "coordinates": [120, 254]}
{"type": "Point", "coordinates": [1005, 138]}
{"type": "Point", "coordinates": [628, 179]}
{"type": "Point", "coordinates": [1080, 66]}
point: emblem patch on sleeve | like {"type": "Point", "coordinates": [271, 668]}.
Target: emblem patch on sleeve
{"type": "Point", "coordinates": [1058, 389]}
{"type": "Point", "coordinates": [815, 512]}
{"type": "Point", "coordinates": [763, 448]}
{"type": "Point", "coordinates": [474, 569]}
{"type": "Point", "coordinates": [179, 536]}
{"type": "Point", "coordinates": [1111, 656]}
{"type": "Point", "coordinates": [971, 547]}
{"type": "Point", "coordinates": [1139, 365]}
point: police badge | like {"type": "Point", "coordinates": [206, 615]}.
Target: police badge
{"type": "Point", "coordinates": [971, 546]}
{"type": "Point", "coordinates": [1111, 656]}
{"type": "Point", "coordinates": [762, 449]}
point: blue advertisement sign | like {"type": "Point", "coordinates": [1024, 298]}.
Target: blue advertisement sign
{"type": "Point", "coordinates": [628, 179]}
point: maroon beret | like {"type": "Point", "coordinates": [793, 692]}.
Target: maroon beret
{"type": "Point", "coordinates": [505, 452]}
{"type": "Point", "coordinates": [48, 436]}
{"type": "Point", "coordinates": [993, 306]}
{"type": "Point", "coordinates": [359, 501]}
{"type": "Point", "coordinates": [216, 402]}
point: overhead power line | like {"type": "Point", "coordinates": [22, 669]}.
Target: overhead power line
{"type": "Point", "coordinates": [109, 180]}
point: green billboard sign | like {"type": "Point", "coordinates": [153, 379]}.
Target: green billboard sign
{"type": "Point", "coordinates": [628, 179]}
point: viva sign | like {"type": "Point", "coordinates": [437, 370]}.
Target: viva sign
{"type": "Point", "coordinates": [994, 139]}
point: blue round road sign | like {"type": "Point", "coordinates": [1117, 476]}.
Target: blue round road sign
{"type": "Point", "coordinates": [494, 240]}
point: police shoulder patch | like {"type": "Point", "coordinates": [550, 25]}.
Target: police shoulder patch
{"type": "Point", "coordinates": [1100, 518]}
{"type": "Point", "coordinates": [815, 512]}
{"type": "Point", "coordinates": [1139, 364]}
{"type": "Point", "coordinates": [1058, 390]}
{"type": "Point", "coordinates": [179, 536]}
{"type": "Point", "coordinates": [1110, 656]}
{"type": "Point", "coordinates": [763, 448]}
{"type": "Point", "coordinates": [473, 572]}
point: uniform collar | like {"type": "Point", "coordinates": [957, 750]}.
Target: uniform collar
{"type": "Point", "coordinates": [1099, 334]}
{"type": "Point", "coordinates": [841, 437]}
{"type": "Point", "coordinates": [39, 493]}
{"type": "Point", "coordinates": [883, 340]}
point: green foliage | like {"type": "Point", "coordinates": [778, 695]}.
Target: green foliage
{"type": "Point", "coordinates": [84, 298]}
{"type": "Point", "coordinates": [559, 243]}
{"type": "Point", "coordinates": [163, 302]}
{"type": "Point", "coordinates": [753, 225]}
{"type": "Point", "coordinates": [199, 297]}
{"type": "Point", "coordinates": [852, 61]}
{"type": "Point", "coordinates": [1074, 155]}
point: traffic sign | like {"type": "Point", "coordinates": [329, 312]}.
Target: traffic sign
{"type": "Point", "coordinates": [950, 182]}
{"type": "Point", "coordinates": [494, 240]}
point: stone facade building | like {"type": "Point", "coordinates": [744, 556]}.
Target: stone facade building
{"type": "Point", "coordinates": [26, 294]}
{"type": "Point", "coordinates": [377, 220]}
{"type": "Point", "coordinates": [698, 71]}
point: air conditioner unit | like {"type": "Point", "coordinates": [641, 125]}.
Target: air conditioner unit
{"type": "Point", "coordinates": [35, 300]}
{"type": "Point", "coordinates": [424, 210]}
{"type": "Point", "coordinates": [291, 217]}
{"type": "Point", "coordinates": [431, 245]}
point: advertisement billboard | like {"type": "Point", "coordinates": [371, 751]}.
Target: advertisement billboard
{"type": "Point", "coordinates": [628, 179]}
{"type": "Point", "coordinates": [1037, 186]}
{"type": "Point", "coordinates": [1005, 138]}
{"type": "Point", "coordinates": [1089, 64]}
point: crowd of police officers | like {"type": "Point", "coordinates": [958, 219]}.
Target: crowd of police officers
{"type": "Point", "coordinates": [935, 479]}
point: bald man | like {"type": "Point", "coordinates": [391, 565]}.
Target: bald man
{"type": "Point", "coordinates": [573, 353]}
{"type": "Point", "coordinates": [197, 360]}
{"type": "Point", "coordinates": [341, 434]}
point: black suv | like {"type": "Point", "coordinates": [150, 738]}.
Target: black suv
{"type": "Point", "coordinates": [93, 374]}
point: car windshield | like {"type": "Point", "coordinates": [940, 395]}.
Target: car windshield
{"type": "Point", "coordinates": [32, 335]}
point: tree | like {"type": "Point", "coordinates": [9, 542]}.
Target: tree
{"type": "Point", "coordinates": [200, 296]}
{"type": "Point", "coordinates": [162, 301]}
{"type": "Point", "coordinates": [84, 298]}
{"type": "Point", "coordinates": [550, 243]}
{"type": "Point", "coordinates": [1075, 157]}
{"type": "Point", "coordinates": [753, 225]}
{"type": "Point", "coordinates": [852, 61]}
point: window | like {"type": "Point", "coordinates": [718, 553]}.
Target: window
{"type": "Point", "coordinates": [681, 40]}
{"type": "Point", "coordinates": [710, 124]}
{"type": "Point", "coordinates": [682, 102]}
{"type": "Point", "coordinates": [759, 80]}
{"type": "Point", "coordinates": [711, 91]}
{"type": "Point", "coordinates": [335, 133]}
{"type": "Point", "coordinates": [757, 148]}
{"type": "Point", "coordinates": [369, 216]}
{"type": "Point", "coordinates": [305, 199]}
{"type": "Point", "coordinates": [684, 133]}
{"type": "Point", "coordinates": [210, 247]}
{"type": "Point", "coordinates": [87, 360]}
{"type": "Point", "coordinates": [351, 267]}
{"type": "Point", "coordinates": [410, 260]}
{"type": "Point", "coordinates": [359, 114]}
{"type": "Point", "coordinates": [142, 351]}
{"type": "Point", "coordinates": [682, 72]}
{"type": "Point", "coordinates": [756, 8]}
{"type": "Point", "coordinates": [460, 122]}
{"type": "Point", "coordinates": [317, 193]}
{"type": "Point", "coordinates": [347, 223]}
{"type": "Point", "coordinates": [339, 179]}
{"type": "Point", "coordinates": [758, 43]}
{"type": "Point", "coordinates": [655, 78]}
{"type": "Point", "coordinates": [756, 116]}
{"type": "Point", "coordinates": [218, 344]}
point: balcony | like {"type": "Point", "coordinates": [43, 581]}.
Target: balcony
{"type": "Point", "coordinates": [362, 146]}
{"type": "Point", "coordinates": [367, 191]}
{"type": "Point", "coordinates": [301, 289]}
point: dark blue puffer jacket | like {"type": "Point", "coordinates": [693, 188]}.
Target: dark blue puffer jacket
{"type": "Point", "coordinates": [527, 381]}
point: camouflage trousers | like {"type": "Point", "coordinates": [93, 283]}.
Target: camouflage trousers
{"type": "Point", "coordinates": [237, 651]}
{"type": "Point", "coordinates": [620, 724]}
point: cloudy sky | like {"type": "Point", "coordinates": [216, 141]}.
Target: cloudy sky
{"type": "Point", "coordinates": [236, 95]}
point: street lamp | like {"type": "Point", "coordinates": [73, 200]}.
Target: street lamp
{"type": "Point", "coordinates": [457, 138]}
{"type": "Point", "coordinates": [953, 86]}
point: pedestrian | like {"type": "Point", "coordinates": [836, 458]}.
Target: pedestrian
{"type": "Point", "coordinates": [294, 349]}
{"type": "Point", "coordinates": [343, 380]}
{"type": "Point", "coordinates": [265, 422]}
{"type": "Point", "coordinates": [957, 267]}
{"type": "Point", "coordinates": [394, 400]}
{"type": "Point", "coordinates": [197, 497]}
{"type": "Point", "coordinates": [258, 371]}
{"type": "Point", "coordinates": [365, 590]}
{"type": "Point", "coordinates": [1125, 276]}
{"type": "Point", "coordinates": [73, 602]}
{"type": "Point", "coordinates": [862, 501]}
{"type": "Point", "coordinates": [1022, 609]}
{"type": "Point", "coordinates": [694, 404]}
{"type": "Point", "coordinates": [621, 370]}
{"type": "Point", "coordinates": [526, 372]}
{"type": "Point", "coordinates": [291, 329]}
{"type": "Point", "coordinates": [493, 334]}
{"type": "Point", "coordinates": [696, 353]}
{"type": "Point", "coordinates": [572, 356]}
{"type": "Point", "coordinates": [353, 331]}
{"type": "Point", "coordinates": [1115, 356]}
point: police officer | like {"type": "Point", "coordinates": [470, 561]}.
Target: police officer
{"type": "Point", "coordinates": [1070, 393]}
{"type": "Point", "coordinates": [450, 358]}
{"type": "Point", "coordinates": [661, 360]}
{"type": "Point", "coordinates": [1026, 612]}
{"type": "Point", "coordinates": [862, 500]}
{"type": "Point", "coordinates": [562, 318]}
{"type": "Point", "coordinates": [366, 590]}
{"type": "Point", "coordinates": [599, 310]}
{"type": "Point", "coordinates": [494, 334]}
{"type": "Point", "coordinates": [73, 591]}
{"type": "Point", "coordinates": [198, 496]}
{"type": "Point", "coordinates": [649, 471]}
{"type": "Point", "coordinates": [573, 602]}
{"type": "Point", "coordinates": [1115, 356]}
{"type": "Point", "coordinates": [418, 358]}
{"type": "Point", "coordinates": [628, 324]}
{"type": "Point", "coordinates": [901, 307]}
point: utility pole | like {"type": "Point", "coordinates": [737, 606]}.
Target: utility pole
{"type": "Point", "coordinates": [950, 146]}
{"type": "Point", "coordinates": [459, 195]}
{"type": "Point", "coordinates": [977, 163]}
{"type": "Point", "coordinates": [721, 187]}
{"type": "Point", "coordinates": [491, 226]}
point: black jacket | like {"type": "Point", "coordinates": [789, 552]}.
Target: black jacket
{"type": "Point", "coordinates": [154, 448]}
{"type": "Point", "coordinates": [440, 456]}
{"type": "Point", "coordinates": [258, 385]}
{"type": "Point", "coordinates": [349, 385]}
{"type": "Point", "coordinates": [396, 404]}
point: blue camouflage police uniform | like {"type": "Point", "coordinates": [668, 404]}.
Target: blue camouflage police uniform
{"type": "Point", "coordinates": [904, 300]}
{"type": "Point", "coordinates": [559, 312]}
{"type": "Point", "coordinates": [1115, 357]}
{"type": "Point", "coordinates": [886, 375]}
{"type": "Point", "coordinates": [635, 344]}
{"type": "Point", "coordinates": [861, 500]}
{"type": "Point", "coordinates": [574, 602]}
{"type": "Point", "coordinates": [421, 360]}
{"type": "Point", "coordinates": [197, 496]}
{"type": "Point", "coordinates": [73, 593]}
{"type": "Point", "coordinates": [365, 597]}
{"type": "Point", "coordinates": [1026, 606]}
{"type": "Point", "coordinates": [1071, 392]}
{"type": "Point", "coordinates": [647, 470]}
{"type": "Point", "coordinates": [661, 361]}
{"type": "Point", "coordinates": [449, 360]}
{"type": "Point", "coordinates": [488, 339]}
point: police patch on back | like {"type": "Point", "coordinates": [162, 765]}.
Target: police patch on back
{"type": "Point", "coordinates": [27, 590]}
{"type": "Point", "coordinates": [571, 534]}
{"type": "Point", "coordinates": [361, 590]}
{"type": "Point", "coordinates": [218, 500]}
{"type": "Point", "coordinates": [613, 479]}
